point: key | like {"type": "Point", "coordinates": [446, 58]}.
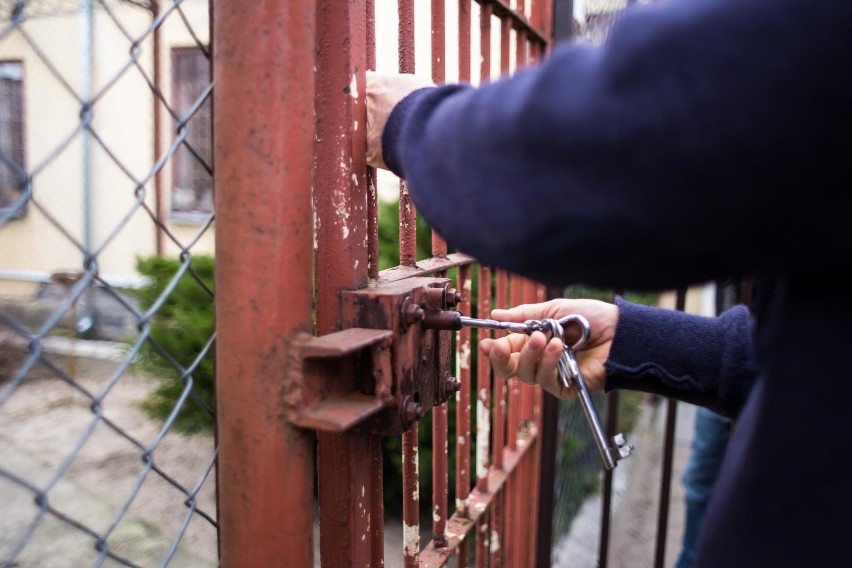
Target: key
{"type": "Point", "coordinates": [612, 449]}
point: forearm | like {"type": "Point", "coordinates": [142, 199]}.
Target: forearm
{"type": "Point", "coordinates": [657, 160]}
{"type": "Point", "coordinates": [707, 361]}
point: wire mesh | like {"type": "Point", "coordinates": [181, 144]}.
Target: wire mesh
{"type": "Point", "coordinates": [106, 338]}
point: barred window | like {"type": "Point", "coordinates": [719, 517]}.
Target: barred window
{"type": "Point", "coordinates": [12, 168]}
{"type": "Point", "coordinates": [192, 184]}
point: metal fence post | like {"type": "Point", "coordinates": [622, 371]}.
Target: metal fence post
{"type": "Point", "coordinates": [264, 97]}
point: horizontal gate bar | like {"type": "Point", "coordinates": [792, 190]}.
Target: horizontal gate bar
{"type": "Point", "coordinates": [479, 502]}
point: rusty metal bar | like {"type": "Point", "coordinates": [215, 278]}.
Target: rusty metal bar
{"type": "Point", "coordinates": [407, 212]}
{"type": "Point", "coordinates": [606, 505]}
{"type": "Point", "coordinates": [410, 498]}
{"type": "Point", "coordinates": [483, 396]}
{"type": "Point", "coordinates": [668, 455]}
{"type": "Point", "coordinates": [425, 267]}
{"type": "Point", "coordinates": [463, 438]}
{"type": "Point", "coordinates": [505, 46]}
{"type": "Point", "coordinates": [372, 183]}
{"type": "Point", "coordinates": [439, 476]}
{"type": "Point", "coordinates": [439, 245]}
{"type": "Point", "coordinates": [515, 19]}
{"type": "Point", "coordinates": [459, 526]}
{"type": "Point", "coordinates": [483, 419]}
{"type": "Point", "coordinates": [349, 464]}
{"type": "Point", "coordinates": [500, 383]}
{"type": "Point", "coordinates": [265, 509]}
{"type": "Point", "coordinates": [498, 528]}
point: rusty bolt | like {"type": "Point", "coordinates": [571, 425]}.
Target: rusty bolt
{"type": "Point", "coordinates": [450, 386]}
{"type": "Point", "coordinates": [412, 410]}
{"type": "Point", "coordinates": [411, 313]}
{"type": "Point", "coordinates": [454, 297]}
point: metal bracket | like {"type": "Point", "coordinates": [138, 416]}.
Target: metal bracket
{"type": "Point", "coordinates": [386, 370]}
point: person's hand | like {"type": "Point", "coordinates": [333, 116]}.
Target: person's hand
{"type": "Point", "coordinates": [383, 93]}
{"type": "Point", "coordinates": [533, 359]}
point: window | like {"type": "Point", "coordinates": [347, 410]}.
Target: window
{"type": "Point", "coordinates": [192, 184]}
{"type": "Point", "coordinates": [13, 174]}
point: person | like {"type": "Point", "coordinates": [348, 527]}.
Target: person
{"type": "Point", "coordinates": [704, 139]}
{"type": "Point", "coordinates": [710, 434]}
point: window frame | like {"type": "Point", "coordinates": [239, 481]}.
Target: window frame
{"type": "Point", "coordinates": [197, 215]}
{"type": "Point", "coordinates": [6, 205]}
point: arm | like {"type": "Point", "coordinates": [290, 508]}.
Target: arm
{"type": "Point", "coordinates": [707, 361]}
{"type": "Point", "coordinates": [678, 150]}
{"type": "Point", "coordinates": [702, 360]}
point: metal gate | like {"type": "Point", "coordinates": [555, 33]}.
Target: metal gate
{"type": "Point", "coordinates": [313, 336]}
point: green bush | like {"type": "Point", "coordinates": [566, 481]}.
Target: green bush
{"type": "Point", "coordinates": [181, 327]}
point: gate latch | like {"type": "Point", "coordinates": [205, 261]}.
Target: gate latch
{"type": "Point", "coordinates": [385, 370]}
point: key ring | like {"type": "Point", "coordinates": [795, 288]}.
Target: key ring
{"type": "Point", "coordinates": [556, 328]}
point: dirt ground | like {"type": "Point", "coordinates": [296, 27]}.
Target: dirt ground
{"type": "Point", "coordinates": [53, 444]}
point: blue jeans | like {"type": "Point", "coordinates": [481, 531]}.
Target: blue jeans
{"type": "Point", "coordinates": [708, 448]}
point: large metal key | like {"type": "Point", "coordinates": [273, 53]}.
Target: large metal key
{"type": "Point", "coordinates": [610, 449]}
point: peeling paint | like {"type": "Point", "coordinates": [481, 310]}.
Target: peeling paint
{"type": "Point", "coordinates": [355, 126]}
{"type": "Point", "coordinates": [495, 542]}
{"type": "Point", "coordinates": [410, 539]}
{"type": "Point", "coordinates": [435, 516]}
{"type": "Point", "coordinates": [464, 356]}
{"type": "Point", "coordinates": [482, 432]}
{"type": "Point", "coordinates": [461, 505]}
{"type": "Point", "coordinates": [468, 286]}
{"type": "Point", "coordinates": [353, 86]}
{"type": "Point", "coordinates": [460, 441]}
{"type": "Point", "coordinates": [363, 488]}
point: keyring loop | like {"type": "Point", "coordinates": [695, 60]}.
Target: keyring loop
{"type": "Point", "coordinates": [584, 325]}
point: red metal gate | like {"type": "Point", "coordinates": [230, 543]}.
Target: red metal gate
{"type": "Point", "coordinates": [311, 335]}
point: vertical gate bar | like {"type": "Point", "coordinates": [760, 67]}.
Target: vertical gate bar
{"type": "Point", "coordinates": [439, 245]}
{"type": "Point", "coordinates": [483, 408]}
{"type": "Point", "coordinates": [407, 212]}
{"type": "Point", "coordinates": [265, 469]}
{"type": "Point", "coordinates": [498, 519]}
{"type": "Point", "coordinates": [485, 12]}
{"type": "Point", "coordinates": [410, 498]}
{"type": "Point", "coordinates": [514, 413]}
{"type": "Point", "coordinates": [484, 528]}
{"type": "Point", "coordinates": [464, 40]}
{"type": "Point", "coordinates": [349, 464]}
{"type": "Point", "coordinates": [505, 46]}
{"type": "Point", "coordinates": [377, 504]}
{"type": "Point", "coordinates": [606, 505]}
{"type": "Point", "coordinates": [499, 424]}
{"type": "Point", "coordinates": [463, 397]}
{"type": "Point", "coordinates": [439, 475]}
{"type": "Point", "coordinates": [513, 510]}
{"type": "Point", "coordinates": [530, 500]}
{"type": "Point", "coordinates": [372, 183]}
{"type": "Point", "coordinates": [668, 454]}
{"type": "Point", "coordinates": [522, 401]}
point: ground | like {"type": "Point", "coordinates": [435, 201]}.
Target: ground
{"type": "Point", "coordinates": [46, 426]}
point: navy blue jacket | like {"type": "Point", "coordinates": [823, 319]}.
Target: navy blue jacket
{"type": "Point", "coordinates": [705, 139]}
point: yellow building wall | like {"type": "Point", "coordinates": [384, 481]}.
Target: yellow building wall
{"type": "Point", "coordinates": [49, 237]}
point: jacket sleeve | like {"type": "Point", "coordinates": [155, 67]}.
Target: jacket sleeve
{"type": "Point", "coordinates": [702, 360]}
{"type": "Point", "coordinates": [705, 137]}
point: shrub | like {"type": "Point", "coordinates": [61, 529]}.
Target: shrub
{"type": "Point", "coordinates": [180, 330]}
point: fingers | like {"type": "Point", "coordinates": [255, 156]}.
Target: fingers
{"type": "Point", "coordinates": [531, 311]}
{"type": "Point", "coordinates": [503, 353]}
{"type": "Point", "coordinates": [533, 360]}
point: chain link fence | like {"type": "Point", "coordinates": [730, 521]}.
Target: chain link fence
{"type": "Point", "coordinates": [107, 453]}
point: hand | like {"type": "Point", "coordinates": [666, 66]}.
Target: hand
{"type": "Point", "coordinates": [533, 359]}
{"type": "Point", "coordinates": [383, 93]}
